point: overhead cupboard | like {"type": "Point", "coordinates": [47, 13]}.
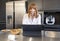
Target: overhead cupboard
{"type": "Point", "coordinates": [46, 4]}
{"type": "Point", "coordinates": [51, 5]}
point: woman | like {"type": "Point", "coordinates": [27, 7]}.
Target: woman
{"type": "Point", "coordinates": [32, 18]}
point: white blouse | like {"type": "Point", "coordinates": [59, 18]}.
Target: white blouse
{"type": "Point", "coordinates": [29, 21]}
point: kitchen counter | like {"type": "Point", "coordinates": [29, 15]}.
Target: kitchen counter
{"type": "Point", "coordinates": [4, 36]}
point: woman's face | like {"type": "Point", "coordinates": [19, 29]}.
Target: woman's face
{"type": "Point", "coordinates": [32, 11]}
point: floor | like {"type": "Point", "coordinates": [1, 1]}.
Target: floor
{"type": "Point", "coordinates": [4, 37]}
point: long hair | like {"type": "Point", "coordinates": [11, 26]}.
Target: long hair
{"type": "Point", "coordinates": [32, 5]}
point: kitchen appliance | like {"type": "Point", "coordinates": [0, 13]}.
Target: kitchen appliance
{"type": "Point", "coordinates": [14, 13]}
{"type": "Point", "coordinates": [9, 15]}
{"type": "Point", "coordinates": [50, 20]}
{"type": "Point", "coordinates": [53, 30]}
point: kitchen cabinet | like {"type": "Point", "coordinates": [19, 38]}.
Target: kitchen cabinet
{"type": "Point", "coordinates": [2, 14]}
{"type": "Point", "coordinates": [46, 4]}
{"type": "Point", "coordinates": [38, 3]}
{"type": "Point", "coordinates": [51, 5]}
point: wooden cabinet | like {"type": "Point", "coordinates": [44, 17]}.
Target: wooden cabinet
{"type": "Point", "coordinates": [38, 3]}
{"type": "Point", "coordinates": [47, 4]}
{"type": "Point", "coordinates": [51, 5]}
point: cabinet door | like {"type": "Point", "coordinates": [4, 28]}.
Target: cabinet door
{"type": "Point", "coordinates": [2, 15]}
{"type": "Point", "coordinates": [38, 3]}
{"type": "Point", "coordinates": [51, 5]}
{"type": "Point", "coordinates": [2, 11]}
